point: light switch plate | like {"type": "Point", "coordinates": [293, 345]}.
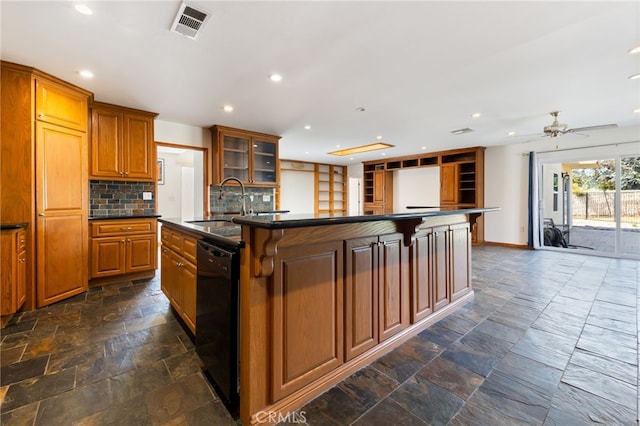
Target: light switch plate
{"type": "Point", "coordinates": [266, 198]}
{"type": "Point", "coordinates": [147, 196]}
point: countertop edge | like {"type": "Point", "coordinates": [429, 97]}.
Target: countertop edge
{"type": "Point", "coordinates": [283, 223]}
{"type": "Point", "coordinates": [12, 226]}
{"type": "Point", "coordinates": [194, 228]}
{"type": "Point", "coordinates": [142, 216]}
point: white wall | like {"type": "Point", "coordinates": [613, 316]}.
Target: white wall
{"type": "Point", "coordinates": [297, 191]}
{"type": "Point", "coordinates": [169, 198]}
{"type": "Point", "coordinates": [416, 187]}
{"type": "Point", "coordinates": [181, 134]}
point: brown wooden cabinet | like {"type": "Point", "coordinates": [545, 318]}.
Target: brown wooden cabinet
{"type": "Point", "coordinates": [13, 263]}
{"type": "Point", "coordinates": [461, 181]}
{"type": "Point", "coordinates": [122, 143]}
{"type": "Point", "coordinates": [249, 156]}
{"type": "Point", "coordinates": [378, 188]}
{"type": "Point", "coordinates": [306, 306]}
{"type": "Point", "coordinates": [44, 134]}
{"type": "Point", "coordinates": [376, 291]}
{"type": "Point", "coordinates": [178, 278]}
{"type": "Point", "coordinates": [123, 246]}
{"type": "Point", "coordinates": [440, 262]}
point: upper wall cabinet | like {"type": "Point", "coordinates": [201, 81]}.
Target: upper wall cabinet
{"type": "Point", "coordinates": [122, 143]}
{"type": "Point", "coordinates": [249, 156]}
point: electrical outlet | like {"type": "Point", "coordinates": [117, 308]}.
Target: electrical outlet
{"type": "Point", "coordinates": [147, 195]}
{"type": "Point", "coordinates": [266, 198]}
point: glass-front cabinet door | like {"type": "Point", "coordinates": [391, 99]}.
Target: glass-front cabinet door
{"type": "Point", "coordinates": [264, 155]}
{"type": "Point", "coordinates": [249, 156]}
{"type": "Point", "coordinates": [236, 157]}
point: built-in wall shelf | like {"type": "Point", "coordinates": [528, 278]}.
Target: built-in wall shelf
{"type": "Point", "coordinates": [461, 180]}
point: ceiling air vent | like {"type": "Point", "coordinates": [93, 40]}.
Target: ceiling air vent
{"type": "Point", "coordinates": [461, 131]}
{"type": "Point", "coordinates": [189, 21]}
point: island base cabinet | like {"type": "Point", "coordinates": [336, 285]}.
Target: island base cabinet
{"type": "Point", "coordinates": [376, 291]}
{"type": "Point", "coordinates": [178, 273]}
{"type": "Point", "coordinates": [440, 262]}
{"type": "Point", "coordinates": [306, 308]}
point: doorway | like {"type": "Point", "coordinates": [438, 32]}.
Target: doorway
{"type": "Point", "coordinates": [182, 184]}
{"type": "Point", "coordinates": [590, 202]}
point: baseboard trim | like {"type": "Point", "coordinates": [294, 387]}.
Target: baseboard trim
{"type": "Point", "coordinates": [518, 246]}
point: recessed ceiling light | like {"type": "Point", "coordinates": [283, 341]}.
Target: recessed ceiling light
{"type": "Point", "coordinates": [378, 137]}
{"type": "Point", "coordinates": [634, 77]}
{"type": "Point", "coordinates": [384, 153]}
{"type": "Point", "coordinates": [84, 9]}
{"type": "Point", "coordinates": [306, 152]}
{"type": "Point", "coordinates": [307, 127]}
{"type": "Point", "coordinates": [424, 147]}
{"type": "Point", "coordinates": [461, 131]}
{"type": "Point", "coordinates": [227, 108]}
{"type": "Point", "coordinates": [634, 50]}
{"type": "Point", "coordinates": [360, 109]}
{"type": "Point", "coordinates": [351, 158]}
{"type": "Point", "coordinates": [475, 115]}
{"type": "Point", "coordinates": [636, 110]}
{"type": "Point", "coordinates": [275, 77]}
{"type": "Point", "coordinates": [86, 74]}
{"type": "Point", "coordinates": [511, 133]}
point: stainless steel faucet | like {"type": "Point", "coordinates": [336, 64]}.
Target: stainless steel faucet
{"type": "Point", "coordinates": [243, 211]}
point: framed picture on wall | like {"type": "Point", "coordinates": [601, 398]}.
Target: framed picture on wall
{"type": "Point", "coordinates": [160, 172]}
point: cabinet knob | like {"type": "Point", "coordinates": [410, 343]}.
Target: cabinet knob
{"type": "Point", "coordinates": [126, 173]}
{"type": "Point", "coordinates": [40, 115]}
{"type": "Point", "coordinates": [122, 241]}
{"type": "Point", "coordinates": [41, 214]}
{"type": "Point", "coordinates": [126, 228]}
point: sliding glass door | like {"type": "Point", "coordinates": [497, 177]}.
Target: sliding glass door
{"type": "Point", "coordinates": [590, 204]}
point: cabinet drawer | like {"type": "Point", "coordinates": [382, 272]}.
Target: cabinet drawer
{"type": "Point", "coordinates": [189, 249]}
{"type": "Point", "coordinates": [108, 228]}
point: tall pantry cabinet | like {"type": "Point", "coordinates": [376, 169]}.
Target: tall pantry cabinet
{"type": "Point", "coordinates": [44, 172]}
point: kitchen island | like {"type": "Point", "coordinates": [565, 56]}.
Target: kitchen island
{"type": "Point", "coordinates": [322, 296]}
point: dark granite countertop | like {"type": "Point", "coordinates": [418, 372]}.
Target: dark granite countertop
{"type": "Point", "coordinates": [226, 229]}
{"type": "Point", "coordinates": [140, 216]}
{"type": "Point", "coordinates": [218, 229]}
{"type": "Point", "coordinates": [10, 226]}
{"type": "Point", "coordinates": [281, 221]}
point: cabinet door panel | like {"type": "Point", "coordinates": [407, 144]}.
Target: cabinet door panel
{"type": "Point", "coordinates": [393, 296]}
{"type": "Point", "coordinates": [448, 183]}
{"type": "Point", "coordinates": [58, 105]}
{"type": "Point", "coordinates": [460, 255]}
{"type": "Point", "coordinates": [62, 257]}
{"type": "Point", "coordinates": [188, 281]}
{"type": "Point", "coordinates": [361, 296]}
{"type": "Point", "coordinates": [61, 204]}
{"type": "Point", "coordinates": [107, 256]}
{"type": "Point", "coordinates": [166, 271]}
{"type": "Point", "coordinates": [378, 187]}
{"type": "Point", "coordinates": [140, 253]}
{"type": "Point", "coordinates": [137, 147]}
{"type": "Point", "coordinates": [106, 143]}
{"type": "Point", "coordinates": [62, 172]}
{"type": "Point", "coordinates": [440, 264]}
{"type": "Point", "coordinates": [422, 278]}
{"type": "Point", "coordinates": [306, 315]}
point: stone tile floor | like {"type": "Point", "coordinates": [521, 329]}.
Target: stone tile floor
{"type": "Point", "coordinates": [550, 338]}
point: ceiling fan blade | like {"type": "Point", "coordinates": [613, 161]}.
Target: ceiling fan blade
{"type": "Point", "coordinates": [588, 128]}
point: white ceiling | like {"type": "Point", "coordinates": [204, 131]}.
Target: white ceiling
{"type": "Point", "coordinates": [420, 68]}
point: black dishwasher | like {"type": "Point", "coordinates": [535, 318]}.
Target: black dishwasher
{"type": "Point", "coordinates": [217, 320]}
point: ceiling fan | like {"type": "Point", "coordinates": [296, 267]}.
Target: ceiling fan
{"type": "Point", "coordinates": [556, 128]}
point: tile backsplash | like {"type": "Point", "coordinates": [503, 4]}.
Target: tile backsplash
{"type": "Point", "coordinates": [115, 198]}
{"type": "Point", "coordinates": [263, 199]}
